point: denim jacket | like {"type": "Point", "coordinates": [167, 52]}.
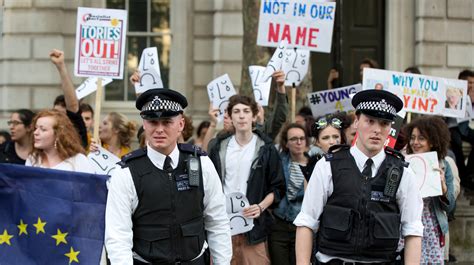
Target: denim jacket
{"type": "Point", "coordinates": [443, 205]}
{"type": "Point", "coordinates": [288, 210]}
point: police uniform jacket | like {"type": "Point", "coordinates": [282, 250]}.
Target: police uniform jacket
{"type": "Point", "coordinates": [122, 202]}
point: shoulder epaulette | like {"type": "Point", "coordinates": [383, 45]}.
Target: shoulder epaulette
{"type": "Point", "coordinates": [192, 149]}
{"type": "Point", "coordinates": [334, 149]}
{"type": "Point", "coordinates": [396, 154]}
{"type": "Point", "coordinates": [132, 155]}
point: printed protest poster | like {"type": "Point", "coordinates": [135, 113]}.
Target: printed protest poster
{"type": "Point", "coordinates": [275, 63]}
{"type": "Point", "coordinates": [149, 67]}
{"type": "Point", "coordinates": [332, 100]}
{"type": "Point", "coordinates": [235, 204]}
{"type": "Point", "coordinates": [104, 161]}
{"type": "Point", "coordinates": [89, 86]}
{"type": "Point", "coordinates": [424, 166]}
{"type": "Point", "coordinates": [420, 93]}
{"type": "Point", "coordinates": [305, 24]}
{"type": "Point", "coordinates": [261, 91]}
{"type": "Point", "coordinates": [100, 42]}
{"type": "Point", "coordinates": [295, 66]}
{"type": "Point", "coordinates": [219, 91]}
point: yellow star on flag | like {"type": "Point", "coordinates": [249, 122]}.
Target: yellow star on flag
{"type": "Point", "coordinates": [39, 226]}
{"type": "Point", "coordinates": [72, 255]}
{"type": "Point", "coordinates": [22, 226]}
{"type": "Point", "coordinates": [60, 237]}
{"type": "Point", "coordinates": [5, 238]}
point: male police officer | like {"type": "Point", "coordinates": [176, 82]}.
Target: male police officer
{"type": "Point", "coordinates": [166, 198]}
{"type": "Point", "coordinates": [359, 198]}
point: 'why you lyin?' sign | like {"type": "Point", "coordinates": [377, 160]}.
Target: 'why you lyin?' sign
{"type": "Point", "coordinates": [421, 93]}
{"type": "Point", "coordinates": [305, 24]}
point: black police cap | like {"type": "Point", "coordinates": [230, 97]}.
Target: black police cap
{"type": "Point", "coordinates": [377, 103]}
{"type": "Point", "coordinates": [160, 103]}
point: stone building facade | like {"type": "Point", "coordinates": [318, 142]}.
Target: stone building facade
{"type": "Point", "coordinates": [435, 35]}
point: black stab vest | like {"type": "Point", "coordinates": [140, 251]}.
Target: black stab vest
{"type": "Point", "coordinates": [358, 221]}
{"type": "Point", "coordinates": [168, 223]}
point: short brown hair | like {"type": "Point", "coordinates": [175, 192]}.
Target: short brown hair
{"type": "Point", "coordinates": [284, 135]}
{"type": "Point", "coordinates": [242, 99]}
{"type": "Point", "coordinates": [432, 128]}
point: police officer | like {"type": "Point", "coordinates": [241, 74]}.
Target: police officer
{"type": "Point", "coordinates": [165, 205]}
{"type": "Point", "coordinates": [360, 199]}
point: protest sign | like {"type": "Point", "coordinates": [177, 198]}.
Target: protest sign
{"type": "Point", "coordinates": [261, 91]}
{"type": "Point", "coordinates": [332, 100]}
{"type": "Point", "coordinates": [306, 24]}
{"type": "Point", "coordinates": [219, 91]}
{"type": "Point", "coordinates": [89, 86]}
{"type": "Point", "coordinates": [100, 42]}
{"type": "Point", "coordinates": [275, 63]}
{"type": "Point", "coordinates": [295, 66]}
{"type": "Point", "coordinates": [235, 204]}
{"type": "Point", "coordinates": [420, 93]}
{"type": "Point", "coordinates": [104, 161]}
{"type": "Point", "coordinates": [424, 165]}
{"type": "Point", "coordinates": [149, 67]}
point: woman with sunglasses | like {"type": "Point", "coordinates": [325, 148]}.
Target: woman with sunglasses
{"type": "Point", "coordinates": [16, 150]}
{"type": "Point", "coordinates": [297, 166]}
{"type": "Point", "coordinates": [428, 134]}
{"type": "Point", "coordinates": [327, 131]}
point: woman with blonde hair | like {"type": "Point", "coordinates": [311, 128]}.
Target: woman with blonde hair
{"type": "Point", "coordinates": [116, 133]}
{"type": "Point", "coordinates": [56, 144]}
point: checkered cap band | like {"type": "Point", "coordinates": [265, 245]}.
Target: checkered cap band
{"type": "Point", "coordinates": [377, 106]}
{"type": "Point", "coordinates": [158, 104]}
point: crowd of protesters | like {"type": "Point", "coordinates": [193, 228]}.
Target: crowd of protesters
{"type": "Point", "coordinates": [270, 161]}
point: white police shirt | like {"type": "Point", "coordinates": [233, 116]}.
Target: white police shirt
{"type": "Point", "coordinates": [320, 188]}
{"type": "Point", "coordinates": [122, 201]}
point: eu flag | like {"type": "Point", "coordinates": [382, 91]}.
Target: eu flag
{"type": "Point", "coordinates": [51, 216]}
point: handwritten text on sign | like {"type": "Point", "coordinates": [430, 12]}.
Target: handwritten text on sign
{"type": "Point", "coordinates": [306, 24]}
{"type": "Point", "coordinates": [329, 101]}
{"type": "Point", "coordinates": [219, 91]}
{"type": "Point", "coordinates": [420, 93]}
{"type": "Point", "coordinates": [100, 42]}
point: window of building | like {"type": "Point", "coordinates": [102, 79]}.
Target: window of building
{"type": "Point", "coordinates": [148, 26]}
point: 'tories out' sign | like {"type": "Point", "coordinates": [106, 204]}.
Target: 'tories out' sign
{"type": "Point", "coordinates": [305, 24]}
{"type": "Point", "coordinates": [100, 42]}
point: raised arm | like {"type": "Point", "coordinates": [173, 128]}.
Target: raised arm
{"type": "Point", "coordinates": [72, 103]}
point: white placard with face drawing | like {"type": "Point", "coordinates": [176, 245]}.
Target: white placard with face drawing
{"type": "Point", "coordinates": [219, 91]}
{"type": "Point", "coordinates": [89, 86]}
{"type": "Point", "coordinates": [275, 62]}
{"type": "Point", "coordinates": [261, 91]}
{"type": "Point", "coordinates": [235, 204]}
{"type": "Point", "coordinates": [149, 67]}
{"type": "Point", "coordinates": [424, 165]}
{"type": "Point", "coordinates": [295, 66]}
{"type": "Point", "coordinates": [104, 162]}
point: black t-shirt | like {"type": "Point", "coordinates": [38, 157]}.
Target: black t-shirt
{"type": "Point", "coordinates": [76, 119]}
{"type": "Point", "coordinates": [9, 155]}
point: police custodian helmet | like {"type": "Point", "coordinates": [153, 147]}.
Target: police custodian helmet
{"type": "Point", "coordinates": [377, 103]}
{"type": "Point", "coordinates": [154, 104]}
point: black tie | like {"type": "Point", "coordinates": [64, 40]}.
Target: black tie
{"type": "Point", "coordinates": [367, 172]}
{"type": "Point", "coordinates": [167, 165]}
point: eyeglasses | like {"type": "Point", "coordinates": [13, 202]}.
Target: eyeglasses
{"type": "Point", "coordinates": [14, 123]}
{"type": "Point", "coordinates": [323, 123]}
{"type": "Point", "coordinates": [295, 139]}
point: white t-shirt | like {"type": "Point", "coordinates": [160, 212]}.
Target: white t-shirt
{"type": "Point", "coordinates": [238, 162]}
{"type": "Point", "coordinates": [77, 163]}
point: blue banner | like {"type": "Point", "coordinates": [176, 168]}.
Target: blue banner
{"type": "Point", "coordinates": [51, 216]}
